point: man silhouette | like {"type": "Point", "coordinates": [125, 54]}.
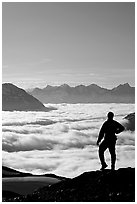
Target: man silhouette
{"type": "Point", "coordinates": [108, 131]}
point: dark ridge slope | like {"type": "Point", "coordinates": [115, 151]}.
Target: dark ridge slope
{"type": "Point", "coordinates": [14, 98]}
{"type": "Point", "coordinates": [9, 172]}
{"type": "Point", "coordinates": [131, 122]}
{"type": "Point", "coordinates": [95, 186]}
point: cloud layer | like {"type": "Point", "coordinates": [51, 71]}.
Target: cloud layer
{"type": "Point", "coordinates": [62, 141]}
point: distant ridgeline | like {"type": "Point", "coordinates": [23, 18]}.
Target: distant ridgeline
{"type": "Point", "coordinates": [85, 94]}
{"type": "Point", "coordinates": [14, 98]}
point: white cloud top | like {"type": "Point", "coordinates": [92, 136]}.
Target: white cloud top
{"type": "Point", "coordinates": [63, 141]}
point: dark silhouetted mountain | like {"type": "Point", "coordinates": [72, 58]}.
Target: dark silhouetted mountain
{"type": "Point", "coordinates": [14, 98]}
{"type": "Point", "coordinates": [9, 172]}
{"type": "Point", "coordinates": [94, 186]}
{"type": "Point", "coordinates": [130, 125]}
{"type": "Point", "coordinates": [85, 94]}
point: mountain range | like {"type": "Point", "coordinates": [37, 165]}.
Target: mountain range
{"type": "Point", "coordinates": [14, 98]}
{"type": "Point", "coordinates": [93, 93]}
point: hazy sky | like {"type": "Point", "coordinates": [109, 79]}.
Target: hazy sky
{"type": "Point", "coordinates": [67, 42]}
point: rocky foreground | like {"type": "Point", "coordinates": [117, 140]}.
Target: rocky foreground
{"type": "Point", "coordinates": [94, 186]}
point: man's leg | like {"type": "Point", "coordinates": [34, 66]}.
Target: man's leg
{"type": "Point", "coordinates": [102, 147]}
{"type": "Point", "coordinates": [113, 154]}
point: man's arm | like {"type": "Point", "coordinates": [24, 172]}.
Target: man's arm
{"type": "Point", "coordinates": [120, 128]}
{"type": "Point", "coordinates": [101, 134]}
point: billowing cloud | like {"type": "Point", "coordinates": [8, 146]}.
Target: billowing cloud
{"type": "Point", "coordinates": [126, 138]}
{"type": "Point", "coordinates": [62, 141]}
{"type": "Point", "coordinates": [39, 122]}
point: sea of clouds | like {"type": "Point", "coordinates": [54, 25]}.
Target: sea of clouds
{"type": "Point", "coordinates": [63, 141]}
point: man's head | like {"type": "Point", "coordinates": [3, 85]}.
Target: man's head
{"type": "Point", "coordinates": [110, 115]}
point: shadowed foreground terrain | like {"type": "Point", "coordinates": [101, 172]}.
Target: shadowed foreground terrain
{"type": "Point", "coordinates": [96, 186]}
{"type": "Point", "coordinates": [15, 183]}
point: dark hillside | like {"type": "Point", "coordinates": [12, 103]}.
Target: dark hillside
{"type": "Point", "coordinates": [16, 99]}
{"type": "Point", "coordinates": [131, 122]}
{"type": "Point", "coordinates": [94, 186]}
